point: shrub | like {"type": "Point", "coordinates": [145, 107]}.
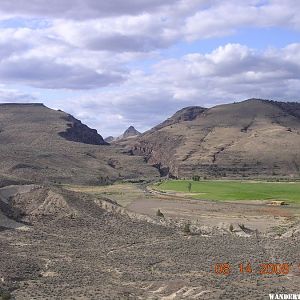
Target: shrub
{"type": "Point", "coordinates": [159, 214]}
{"type": "Point", "coordinates": [242, 226]}
{"type": "Point", "coordinates": [186, 228]}
{"type": "Point", "coordinates": [5, 295]}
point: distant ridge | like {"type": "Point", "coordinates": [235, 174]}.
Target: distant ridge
{"type": "Point", "coordinates": [130, 132]}
{"type": "Point", "coordinates": [22, 104]}
{"type": "Point", "coordinates": [109, 139]}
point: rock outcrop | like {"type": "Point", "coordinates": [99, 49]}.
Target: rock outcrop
{"type": "Point", "coordinates": [78, 132]}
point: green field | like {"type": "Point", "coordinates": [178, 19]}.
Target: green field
{"type": "Point", "coordinates": [234, 190]}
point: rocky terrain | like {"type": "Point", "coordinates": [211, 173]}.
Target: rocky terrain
{"type": "Point", "coordinates": [73, 245]}
{"type": "Point", "coordinates": [251, 138]}
{"type": "Point", "coordinates": [39, 144]}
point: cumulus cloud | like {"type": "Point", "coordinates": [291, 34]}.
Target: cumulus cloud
{"type": "Point", "coordinates": [87, 44]}
{"type": "Point", "coordinates": [9, 95]}
{"type": "Point", "coordinates": [147, 25]}
{"type": "Point", "coordinates": [143, 33]}
{"type": "Point", "coordinates": [78, 9]}
{"type": "Point", "coordinates": [225, 17]}
{"type": "Point", "coordinates": [236, 70]}
{"type": "Point", "coordinates": [50, 75]}
{"type": "Point", "coordinates": [37, 58]}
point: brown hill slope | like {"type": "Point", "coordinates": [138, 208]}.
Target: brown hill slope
{"type": "Point", "coordinates": [250, 138]}
{"type": "Point", "coordinates": [39, 144]}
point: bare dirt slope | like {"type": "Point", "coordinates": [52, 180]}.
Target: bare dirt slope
{"type": "Point", "coordinates": [39, 144]}
{"type": "Point", "coordinates": [250, 138]}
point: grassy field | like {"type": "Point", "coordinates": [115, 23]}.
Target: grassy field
{"type": "Point", "coordinates": [234, 190]}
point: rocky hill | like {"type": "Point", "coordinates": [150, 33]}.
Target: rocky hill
{"type": "Point", "coordinates": [250, 138]}
{"type": "Point", "coordinates": [130, 132]}
{"type": "Point", "coordinates": [109, 139]}
{"type": "Point", "coordinates": [38, 144]}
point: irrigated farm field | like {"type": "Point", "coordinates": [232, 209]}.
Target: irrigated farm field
{"type": "Point", "coordinates": [234, 190]}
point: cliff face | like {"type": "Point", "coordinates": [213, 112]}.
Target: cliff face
{"type": "Point", "coordinates": [250, 138]}
{"type": "Point", "coordinates": [78, 132]}
{"type": "Point", "coordinates": [159, 151]}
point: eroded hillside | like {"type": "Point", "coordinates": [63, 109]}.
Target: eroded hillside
{"type": "Point", "coordinates": [250, 138]}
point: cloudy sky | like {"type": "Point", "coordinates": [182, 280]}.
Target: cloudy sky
{"type": "Point", "coordinates": [134, 62]}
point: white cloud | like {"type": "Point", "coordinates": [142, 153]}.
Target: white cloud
{"type": "Point", "coordinates": [123, 34]}
{"type": "Point", "coordinates": [225, 17]}
{"type": "Point", "coordinates": [79, 9]}
{"type": "Point", "coordinates": [87, 44]}
{"type": "Point", "coordinates": [10, 95]}
{"type": "Point", "coordinates": [147, 25]}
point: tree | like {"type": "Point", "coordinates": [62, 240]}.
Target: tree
{"type": "Point", "coordinates": [196, 178]}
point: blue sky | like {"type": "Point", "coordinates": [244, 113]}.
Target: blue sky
{"type": "Point", "coordinates": [118, 64]}
{"type": "Point", "coordinates": [257, 38]}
